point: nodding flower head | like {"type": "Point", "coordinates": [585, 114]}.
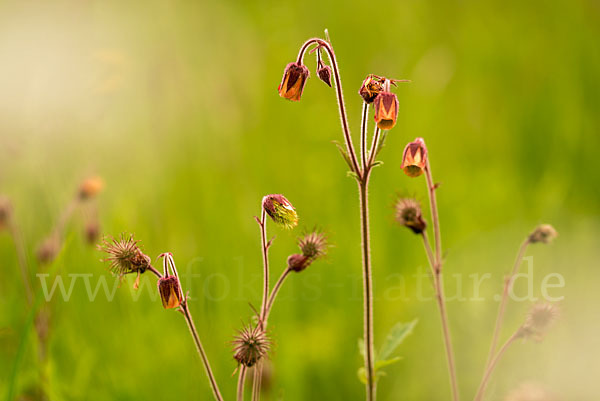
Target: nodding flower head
{"type": "Point", "coordinates": [91, 187]}
{"type": "Point", "coordinates": [48, 249]}
{"type": "Point", "coordinates": [324, 73]}
{"type": "Point", "coordinates": [280, 210]}
{"type": "Point", "coordinates": [124, 255]}
{"type": "Point", "coordinates": [539, 319]}
{"type": "Point", "coordinates": [386, 110]}
{"type": "Point", "coordinates": [169, 287]}
{"type": "Point", "coordinates": [408, 214]}
{"type": "Point", "coordinates": [414, 159]}
{"type": "Point", "coordinates": [370, 88]}
{"type": "Point", "coordinates": [294, 79]}
{"type": "Point", "coordinates": [250, 345]}
{"type": "Point", "coordinates": [5, 212]}
{"type": "Point", "coordinates": [543, 233]}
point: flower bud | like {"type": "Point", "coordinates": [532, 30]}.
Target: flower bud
{"type": "Point", "coordinates": [370, 88]}
{"type": "Point", "coordinates": [250, 345]}
{"type": "Point", "coordinates": [297, 262]}
{"type": "Point", "coordinates": [92, 231]}
{"type": "Point", "coordinates": [294, 79]}
{"type": "Point", "coordinates": [408, 214]}
{"type": "Point", "coordinates": [48, 249]}
{"type": "Point", "coordinates": [168, 285]}
{"type": "Point", "coordinates": [543, 233]}
{"type": "Point", "coordinates": [324, 73]}
{"type": "Point", "coordinates": [280, 210]}
{"type": "Point", "coordinates": [414, 158]}
{"type": "Point", "coordinates": [386, 110]}
{"type": "Point", "coordinates": [90, 187]}
{"type": "Point", "coordinates": [5, 212]}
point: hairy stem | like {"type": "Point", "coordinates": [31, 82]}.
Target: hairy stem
{"type": "Point", "coordinates": [257, 381]}
{"type": "Point", "coordinates": [340, 96]}
{"type": "Point", "coordinates": [367, 288]}
{"type": "Point", "coordinates": [438, 281]}
{"type": "Point", "coordinates": [274, 293]}
{"type": "Point", "coordinates": [492, 365]}
{"type": "Point", "coordinates": [374, 145]}
{"type": "Point", "coordinates": [190, 322]}
{"type": "Point", "coordinates": [240, 384]}
{"type": "Point", "coordinates": [265, 254]}
{"type": "Point", "coordinates": [363, 135]}
{"type": "Point", "coordinates": [502, 308]}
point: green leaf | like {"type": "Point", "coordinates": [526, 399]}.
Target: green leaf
{"type": "Point", "coordinates": [377, 163]}
{"type": "Point", "coordinates": [383, 363]}
{"type": "Point", "coordinates": [395, 337]}
{"type": "Point", "coordinates": [362, 375]}
{"type": "Point", "coordinates": [381, 142]}
{"type": "Point", "coordinates": [344, 154]}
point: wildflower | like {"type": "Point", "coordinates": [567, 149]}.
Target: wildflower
{"type": "Point", "coordinates": [539, 319]}
{"type": "Point", "coordinates": [386, 110]}
{"type": "Point", "coordinates": [5, 212]}
{"type": "Point", "coordinates": [250, 345]}
{"type": "Point", "coordinates": [408, 214]}
{"type": "Point", "coordinates": [124, 255]}
{"type": "Point", "coordinates": [294, 79]}
{"type": "Point", "coordinates": [298, 262]}
{"type": "Point", "coordinates": [168, 285]}
{"type": "Point", "coordinates": [370, 88]}
{"type": "Point", "coordinates": [414, 158]}
{"type": "Point", "coordinates": [324, 73]}
{"type": "Point", "coordinates": [280, 210]}
{"type": "Point", "coordinates": [90, 187]}
{"type": "Point", "coordinates": [543, 233]}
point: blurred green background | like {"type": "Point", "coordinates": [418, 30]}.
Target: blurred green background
{"type": "Point", "coordinates": [175, 105]}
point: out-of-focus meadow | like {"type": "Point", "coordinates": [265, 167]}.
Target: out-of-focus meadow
{"type": "Point", "coordinates": [175, 105]}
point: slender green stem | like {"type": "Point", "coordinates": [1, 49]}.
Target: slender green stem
{"type": "Point", "coordinates": [190, 322]}
{"type": "Point", "coordinates": [374, 145]}
{"type": "Point", "coordinates": [438, 281]}
{"type": "Point", "coordinates": [367, 289]}
{"type": "Point", "coordinates": [492, 365]}
{"type": "Point", "coordinates": [502, 308]}
{"type": "Point", "coordinates": [240, 384]}
{"type": "Point", "coordinates": [363, 135]}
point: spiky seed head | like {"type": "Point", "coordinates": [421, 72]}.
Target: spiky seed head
{"type": "Point", "coordinates": [250, 345]}
{"type": "Point", "coordinates": [280, 210]}
{"type": "Point", "coordinates": [313, 245]}
{"type": "Point", "coordinates": [543, 233]}
{"type": "Point", "coordinates": [124, 255]}
{"type": "Point", "coordinates": [538, 321]}
{"type": "Point", "coordinates": [414, 158]}
{"type": "Point", "coordinates": [5, 211]}
{"type": "Point", "coordinates": [408, 214]}
{"type": "Point", "coordinates": [294, 79]}
{"type": "Point", "coordinates": [91, 187]}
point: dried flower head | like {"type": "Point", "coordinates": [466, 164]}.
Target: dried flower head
{"type": "Point", "coordinates": [414, 158]}
{"type": "Point", "coordinates": [280, 210]}
{"type": "Point", "coordinates": [408, 214]}
{"type": "Point", "coordinates": [250, 345]}
{"type": "Point", "coordinates": [386, 110]}
{"type": "Point", "coordinates": [313, 245]}
{"type": "Point", "coordinates": [48, 249]}
{"type": "Point", "coordinates": [124, 255]}
{"type": "Point", "coordinates": [5, 212]}
{"type": "Point", "coordinates": [539, 319]}
{"type": "Point", "coordinates": [294, 79]}
{"type": "Point", "coordinates": [91, 187]}
{"type": "Point", "coordinates": [169, 287]}
{"type": "Point", "coordinates": [324, 73]}
{"type": "Point", "coordinates": [529, 392]}
{"type": "Point", "coordinates": [543, 233]}
{"type": "Point", "coordinates": [370, 88]}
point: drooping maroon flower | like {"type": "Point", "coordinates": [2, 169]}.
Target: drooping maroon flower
{"type": "Point", "coordinates": [414, 158]}
{"type": "Point", "coordinates": [294, 79]}
{"type": "Point", "coordinates": [386, 110]}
